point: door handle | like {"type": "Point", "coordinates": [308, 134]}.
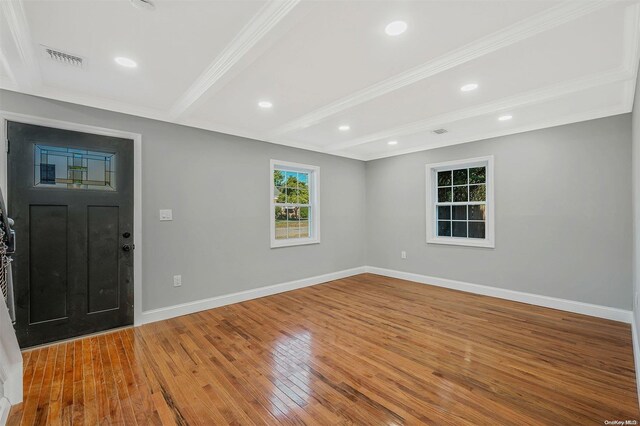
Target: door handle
{"type": "Point", "coordinates": [126, 247]}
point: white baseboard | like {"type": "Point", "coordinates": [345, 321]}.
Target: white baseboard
{"type": "Point", "coordinates": [606, 312]}
{"type": "Point", "coordinates": [5, 407]}
{"type": "Point", "coordinates": [227, 299]}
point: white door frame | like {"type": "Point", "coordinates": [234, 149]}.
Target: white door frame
{"type": "Point", "coordinates": [137, 184]}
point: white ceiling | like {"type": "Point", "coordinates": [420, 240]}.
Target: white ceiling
{"type": "Point", "coordinates": [326, 63]}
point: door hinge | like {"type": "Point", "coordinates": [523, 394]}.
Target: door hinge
{"type": "Point", "coordinates": [8, 146]}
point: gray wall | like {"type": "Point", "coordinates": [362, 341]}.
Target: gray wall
{"type": "Point", "coordinates": [563, 210]}
{"type": "Point", "coordinates": [636, 200]}
{"type": "Point", "coordinates": [563, 214]}
{"type": "Point", "coordinates": [217, 186]}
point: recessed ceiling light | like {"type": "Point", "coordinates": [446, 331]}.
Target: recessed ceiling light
{"type": "Point", "coordinates": [396, 28]}
{"type": "Point", "coordinates": [265, 104]}
{"type": "Point", "coordinates": [469, 87]}
{"type": "Point", "coordinates": [505, 117]}
{"type": "Point", "coordinates": [392, 143]}
{"type": "Point", "coordinates": [344, 128]}
{"type": "Point", "coordinates": [125, 62]}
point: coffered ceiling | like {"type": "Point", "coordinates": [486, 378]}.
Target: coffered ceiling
{"type": "Point", "coordinates": [321, 65]}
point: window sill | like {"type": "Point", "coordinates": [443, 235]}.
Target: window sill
{"type": "Point", "coordinates": [294, 242]}
{"type": "Point", "coordinates": [462, 242]}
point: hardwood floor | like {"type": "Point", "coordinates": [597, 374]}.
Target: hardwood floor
{"type": "Point", "coordinates": [362, 350]}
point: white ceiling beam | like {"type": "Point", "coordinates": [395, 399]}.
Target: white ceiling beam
{"type": "Point", "coordinates": [26, 75]}
{"type": "Point", "coordinates": [259, 26]}
{"type": "Point", "coordinates": [544, 21]}
{"type": "Point", "coordinates": [508, 103]}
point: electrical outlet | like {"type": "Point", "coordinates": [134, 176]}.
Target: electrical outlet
{"type": "Point", "coordinates": [403, 254]}
{"type": "Point", "coordinates": [166, 214]}
{"type": "Point", "coordinates": [177, 280]}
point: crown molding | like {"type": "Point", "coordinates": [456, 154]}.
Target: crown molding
{"type": "Point", "coordinates": [29, 76]}
{"type": "Point", "coordinates": [575, 118]}
{"type": "Point", "coordinates": [528, 98]}
{"type": "Point", "coordinates": [508, 36]}
{"type": "Point", "coordinates": [259, 26]}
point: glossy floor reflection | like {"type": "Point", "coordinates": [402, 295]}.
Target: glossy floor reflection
{"type": "Point", "coordinates": [363, 350]}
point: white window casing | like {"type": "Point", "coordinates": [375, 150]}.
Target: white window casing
{"type": "Point", "coordinates": [444, 235]}
{"type": "Point", "coordinates": [301, 230]}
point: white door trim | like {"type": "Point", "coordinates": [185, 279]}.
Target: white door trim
{"type": "Point", "coordinates": [137, 183]}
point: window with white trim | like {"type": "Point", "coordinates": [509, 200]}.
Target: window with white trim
{"type": "Point", "coordinates": [295, 204]}
{"type": "Point", "coordinates": [460, 202]}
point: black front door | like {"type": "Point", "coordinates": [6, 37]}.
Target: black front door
{"type": "Point", "coordinates": [71, 197]}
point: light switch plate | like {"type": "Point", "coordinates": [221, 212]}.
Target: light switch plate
{"type": "Point", "coordinates": [177, 280]}
{"type": "Point", "coordinates": [166, 214]}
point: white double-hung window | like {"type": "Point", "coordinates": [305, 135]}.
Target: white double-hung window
{"type": "Point", "coordinates": [295, 204]}
{"type": "Point", "coordinates": [460, 207]}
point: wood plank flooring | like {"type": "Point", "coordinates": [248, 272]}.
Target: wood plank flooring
{"type": "Point", "coordinates": [365, 350]}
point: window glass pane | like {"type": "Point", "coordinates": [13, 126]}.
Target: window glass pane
{"type": "Point", "coordinates": [281, 223]}
{"type": "Point", "coordinates": [460, 193]}
{"type": "Point", "coordinates": [459, 229]}
{"type": "Point", "coordinates": [280, 195]}
{"type": "Point", "coordinates": [444, 195]}
{"type": "Point", "coordinates": [292, 190]}
{"type": "Point", "coordinates": [477, 212]}
{"type": "Point", "coordinates": [444, 212]}
{"type": "Point", "coordinates": [444, 178]}
{"type": "Point", "coordinates": [304, 222]}
{"type": "Point", "coordinates": [303, 212]}
{"type": "Point", "coordinates": [459, 212]}
{"type": "Point", "coordinates": [476, 229]}
{"type": "Point", "coordinates": [477, 175]}
{"type": "Point", "coordinates": [303, 190]}
{"type": "Point", "coordinates": [278, 178]}
{"type": "Point", "coordinates": [477, 193]}
{"type": "Point", "coordinates": [460, 177]}
{"type": "Point", "coordinates": [444, 228]}
{"type": "Point", "coordinates": [461, 205]}
{"type": "Point", "coordinates": [291, 179]}
{"type": "Point", "coordinates": [293, 228]}
{"type": "Point", "coordinates": [72, 168]}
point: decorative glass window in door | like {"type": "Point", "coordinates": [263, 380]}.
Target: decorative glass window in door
{"type": "Point", "coordinates": [72, 168]}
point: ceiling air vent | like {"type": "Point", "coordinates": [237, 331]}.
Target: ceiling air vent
{"type": "Point", "coordinates": [440, 131]}
{"type": "Point", "coordinates": [63, 57]}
